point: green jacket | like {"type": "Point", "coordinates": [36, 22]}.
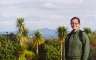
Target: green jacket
{"type": "Point", "coordinates": [76, 48]}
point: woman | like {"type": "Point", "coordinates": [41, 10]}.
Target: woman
{"type": "Point", "coordinates": [76, 43]}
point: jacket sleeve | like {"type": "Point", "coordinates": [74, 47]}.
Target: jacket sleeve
{"type": "Point", "coordinates": [86, 47]}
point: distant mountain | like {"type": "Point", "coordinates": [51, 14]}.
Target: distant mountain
{"type": "Point", "coordinates": [46, 33]}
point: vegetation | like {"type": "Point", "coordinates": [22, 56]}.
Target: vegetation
{"type": "Point", "coordinates": [37, 41]}
{"type": "Point", "coordinates": [21, 46]}
{"type": "Point", "coordinates": [62, 32]}
{"type": "Point", "coordinates": [8, 48]}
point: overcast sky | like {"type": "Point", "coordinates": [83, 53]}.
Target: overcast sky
{"type": "Point", "coordinates": [46, 13]}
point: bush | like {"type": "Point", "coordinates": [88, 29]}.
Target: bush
{"type": "Point", "coordinates": [8, 49]}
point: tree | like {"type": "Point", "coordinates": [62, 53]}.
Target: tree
{"type": "Point", "coordinates": [88, 32]}
{"type": "Point", "coordinates": [38, 40]}
{"type": "Point", "coordinates": [62, 31]}
{"type": "Point", "coordinates": [22, 34]}
{"type": "Point", "coordinates": [26, 55]}
{"type": "Point", "coordinates": [93, 39]}
{"type": "Point", "coordinates": [53, 50]}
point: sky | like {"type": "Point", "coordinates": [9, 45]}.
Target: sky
{"type": "Point", "coordinates": [49, 14]}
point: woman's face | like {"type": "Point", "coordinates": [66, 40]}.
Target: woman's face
{"type": "Point", "coordinates": [75, 24]}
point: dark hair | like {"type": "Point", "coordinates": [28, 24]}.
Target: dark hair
{"type": "Point", "coordinates": [75, 18]}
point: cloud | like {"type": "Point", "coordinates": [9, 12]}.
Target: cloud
{"type": "Point", "coordinates": [7, 26]}
{"type": "Point", "coordinates": [63, 1]}
{"type": "Point", "coordinates": [52, 22]}
{"type": "Point", "coordinates": [7, 23]}
{"type": "Point", "coordinates": [46, 13]}
{"type": "Point", "coordinates": [5, 2]}
{"type": "Point", "coordinates": [49, 5]}
{"type": "Point", "coordinates": [59, 3]}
